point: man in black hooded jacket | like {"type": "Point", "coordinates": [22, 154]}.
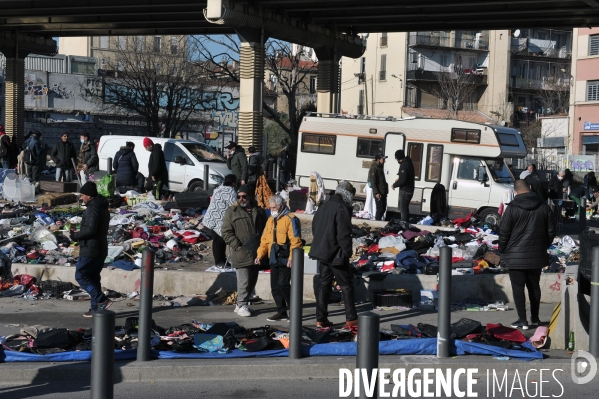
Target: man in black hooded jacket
{"type": "Point", "coordinates": [527, 229]}
{"type": "Point", "coordinates": [405, 182]}
{"type": "Point", "coordinates": [157, 171]}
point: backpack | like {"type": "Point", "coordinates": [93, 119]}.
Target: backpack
{"type": "Point", "coordinates": [28, 155]}
{"type": "Point", "coordinates": [3, 148]}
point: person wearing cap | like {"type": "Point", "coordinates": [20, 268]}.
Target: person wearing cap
{"type": "Point", "coordinates": [332, 246]}
{"type": "Point", "coordinates": [237, 162]}
{"type": "Point", "coordinates": [5, 148]}
{"type": "Point", "coordinates": [62, 154]}
{"type": "Point", "coordinates": [405, 183]}
{"type": "Point", "coordinates": [88, 160]}
{"type": "Point", "coordinates": [242, 228]}
{"type": "Point", "coordinates": [157, 171]}
{"type": "Point", "coordinates": [254, 168]}
{"type": "Point", "coordinates": [378, 183]}
{"type": "Point", "coordinates": [93, 243]}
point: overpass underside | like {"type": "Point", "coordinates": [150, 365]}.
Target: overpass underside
{"type": "Point", "coordinates": [331, 27]}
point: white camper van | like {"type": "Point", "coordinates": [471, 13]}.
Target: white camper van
{"type": "Point", "coordinates": [465, 157]}
{"type": "Point", "coordinates": [185, 160]}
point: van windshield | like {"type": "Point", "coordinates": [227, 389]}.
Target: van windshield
{"type": "Point", "coordinates": [203, 153]}
{"type": "Point", "coordinates": [499, 171]}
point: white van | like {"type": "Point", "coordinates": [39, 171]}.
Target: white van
{"type": "Point", "coordinates": [185, 160]}
{"type": "Point", "coordinates": [465, 157]}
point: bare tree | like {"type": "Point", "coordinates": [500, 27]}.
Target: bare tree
{"type": "Point", "coordinates": [504, 110]}
{"type": "Point", "coordinates": [454, 89]}
{"type": "Point", "coordinates": [554, 94]}
{"type": "Point", "coordinates": [157, 83]}
{"type": "Point", "coordinates": [289, 65]}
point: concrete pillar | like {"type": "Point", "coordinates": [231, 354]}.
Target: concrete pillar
{"type": "Point", "coordinates": [15, 98]}
{"type": "Point", "coordinates": [251, 83]}
{"type": "Point", "coordinates": [328, 80]}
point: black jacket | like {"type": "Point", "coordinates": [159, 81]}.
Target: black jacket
{"type": "Point", "coordinates": [62, 153]}
{"type": "Point", "coordinates": [406, 174]}
{"type": "Point", "coordinates": [93, 234]}
{"type": "Point", "coordinates": [536, 185]}
{"type": "Point", "coordinates": [5, 141]}
{"type": "Point", "coordinates": [269, 161]}
{"type": "Point", "coordinates": [527, 229]}
{"type": "Point", "coordinates": [377, 180]}
{"type": "Point", "coordinates": [331, 229]}
{"type": "Point", "coordinates": [157, 165]}
{"type": "Point", "coordinates": [556, 187]}
{"type": "Point", "coordinates": [254, 167]}
{"type": "Point", "coordinates": [126, 167]}
{"type": "Point", "coordinates": [90, 157]}
{"type": "Point", "coordinates": [238, 164]}
{"type": "Point", "coordinates": [439, 200]}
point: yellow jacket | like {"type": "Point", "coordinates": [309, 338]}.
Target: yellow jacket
{"type": "Point", "coordinates": [288, 228]}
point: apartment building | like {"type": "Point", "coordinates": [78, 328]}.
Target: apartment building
{"type": "Point", "coordinates": [584, 96]}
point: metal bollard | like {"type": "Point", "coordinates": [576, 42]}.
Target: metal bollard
{"type": "Point", "coordinates": [274, 170]}
{"type": "Point", "coordinates": [109, 166]}
{"type": "Point", "coordinates": [297, 301]}
{"type": "Point", "coordinates": [145, 306]}
{"type": "Point", "coordinates": [368, 348]}
{"type": "Point", "coordinates": [444, 315]}
{"type": "Point", "coordinates": [277, 178]}
{"type": "Point", "coordinates": [206, 176]}
{"type": "Point", "coordinates": [594, 319]}
{"type": "Point", "coordinates": [582, 215]}
{"type": "Point", "coordinates": [102, 365]}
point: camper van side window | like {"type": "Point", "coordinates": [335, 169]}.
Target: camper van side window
{"type": "Point", "coordinates": [415, 153]}
{"type": "Point", "coordinates": [465, 136]}
{"type": "Point", "coordinates": [368, 148]}
{"type": "Point", "coordinates": [320, 144]}
{"type": "Point", "coordinates": [434, 159]}
{"type": "Point", "coordinates": [508, 139]}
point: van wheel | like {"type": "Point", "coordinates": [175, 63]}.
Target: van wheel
{"type": "Point", "coordinates": [196, 186]}
{"type": "Point", "coordinates": [491, 216]}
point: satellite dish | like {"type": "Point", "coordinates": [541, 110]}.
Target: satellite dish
{"type": "Point", "coordinates": [517, 33]}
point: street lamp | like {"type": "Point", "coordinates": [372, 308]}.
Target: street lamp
{"type": "Point", "coordinates": [400, 80]}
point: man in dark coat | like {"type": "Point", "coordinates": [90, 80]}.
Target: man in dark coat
{"type": "Point", "coordinates": [254, 168]}
{"type": "Point", "coordinates": [93, 244]}
{"type": "Point", "coordinates": [405, 182]}
{"type": "Point", "coordinates": [558, 185]}
{"type": "Point", "coordinates": [535, 183]}
{"type": "Point", "coordinates": [34, 146]}
{"type": "Point", "coordinates": [237, 163]}
{"type": "Point", "coordinates": [527, 229]}
{"type": "Point", "coordinates": [332, 246]}
{"type": "Point", "coordinates": [62, 154]}
{"type": "Point", "coordinates": [126, 166]}
{"type": "Point", "coordinates": [5, 148]}
{"type": "Point", "coordinates": [378, 183]}
{"type": "Point", "coordinates": [88, 160]}
{"type": "Point", "coordinates": [157, 171]}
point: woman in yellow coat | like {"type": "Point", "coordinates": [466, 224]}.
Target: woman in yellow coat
{"type": "Point", "coordinates": [281, 235]}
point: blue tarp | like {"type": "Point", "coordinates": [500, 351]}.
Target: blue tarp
{"type": "Point", "coordinates": [422, 346]}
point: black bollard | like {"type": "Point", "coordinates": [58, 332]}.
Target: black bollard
{"type": "Point", "coordinates": [594, 319]}
{"type": "Point", "coordinates": [102, 365]}
{"type": "Point", "coordinates": [109, 166]}
{"type": "Point", "coordinates": [582, 215]}
{"type": "Point", "coordinates": [206, 176]}
{"type": "Point", "coordinates": [274, 171]}
{"type": "Point", "coordinates": [368, 348]}
{"type": "Point", "coordinates": [145, 306]}
{"type": "Point", "coordinates": [444, 315]}
{"type": "Point", "coordinates": [297, 301]}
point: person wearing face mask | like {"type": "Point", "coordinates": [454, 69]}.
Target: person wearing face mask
{"type": "Point", "coordinates": [242, 227]}
{"type": "Point", "coordinates": [281, 235]}
{"type": "Point", "coordinates": [332, 246]}
{"type": "Point", "coordinates": [88, 160]}
{"type": "Point", "coordinates": [558, 186]}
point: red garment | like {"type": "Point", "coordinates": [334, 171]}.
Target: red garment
{"type": "Point", "coordinates": [374, 248]}
{"type": "Point", "coordinates": [462, 221]}
{"type": "Point", "coordinates": [455, 259]}
{"type": "Point", "coordinates": [506, 333]}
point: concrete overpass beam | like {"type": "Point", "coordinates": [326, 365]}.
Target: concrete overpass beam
{"type": "Point", "coordinates": [328, 80]}
{"type": "Point", "coordinates": [251, 82]}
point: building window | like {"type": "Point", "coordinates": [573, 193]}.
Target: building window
{"type": "Point", "coordinates": [594, 45]}
{"type": "Point", "coordinates": [465, 136]}
{"type": "Point", "coordinates": [103, 41]}
{"type": "Point", "coordinates": [593, 90]}
{"type": "Point", "coordinates": [434, 159]}
{"type": "Point", "coordinates": [383, 70]}
{"type": "Point", "coordinates": [384, 39]}
{"type": "Point", "coordinates": [139, 43]}
{"type": "Point", "coordinates": [312, 84]}
{"type": "Point", "coordinates": [85, 68]}
{"type": "Point", "coordinates": [361, 103]}
{"type": "Point", "coordinates": [368, 148]}
{"type": "Point", "coordinates": [320, 144]}
{"type": "Point", "coordinates": [157, 40]}
{"type": "Point", "coordinates": [122, 42]}
{"type": "Point", "coordinates": [415, 153]}
{"type": "Point", "coordinates": [174, 45]}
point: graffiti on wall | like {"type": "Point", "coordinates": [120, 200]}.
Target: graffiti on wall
{"type": "Point", "coordinates": [225, 119]}
{"type": "Point", "coordinates": [218, 101]}
{"type": "Point", "coordinates": [35, 87]}
{"type": "Point", "coordinates": [92, 87]}
{"type": "Point", "coordinates": [579, 162]}
{"type": "Point", "coordinates": [61, 91]}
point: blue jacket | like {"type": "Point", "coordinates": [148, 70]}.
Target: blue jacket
{"type": "Point", "coordinates": [35, 147]}
{"type": "Point", "coordinates": [126, 167]}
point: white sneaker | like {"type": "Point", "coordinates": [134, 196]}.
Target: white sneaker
{"type": "Point", "coordinates": [244, 311]}
{"type": "Point", "coordinates": [236, 308]}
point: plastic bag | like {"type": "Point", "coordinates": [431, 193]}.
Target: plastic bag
{"type": "Point", "coordinates": [41, 234]}
{"type": "Point", "coordinates": [391, 241]}
{"type": "Point", "coordinates": [106, 186]}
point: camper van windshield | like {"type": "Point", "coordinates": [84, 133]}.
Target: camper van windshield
{"type": "Point", "coordinates": [499, 171]}
{"type": "Point", "coordinates": [203, 153]}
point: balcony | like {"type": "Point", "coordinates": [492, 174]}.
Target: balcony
{"type": "Point", "coordinates": [545, 83]}
{"type": "Point", "coordinates": [433, 76]}
{"type": "Point", "coordinates": [539, 48]}
{"type": "Point", "coordinates": [463, 42]}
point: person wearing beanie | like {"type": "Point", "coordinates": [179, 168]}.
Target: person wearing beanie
{"type": "Point", "coordinates": [405, 183]}
{"type": "Point", "coordinates": [242, 228]}
{"type": "Point", "coordinates": [93, 244]}
{"type": "Point", "coordinates": [88, 160]}
{"type": "Point", "coordinates": [332, 246]}
{"type": "Point", "coordinates": [237, 162]}
{"type": "Point", "coordinates": [157, 171]}
{"type": "Point", "coordinates": [63, 155]}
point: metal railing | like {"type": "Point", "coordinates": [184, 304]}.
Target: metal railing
{"type": "Point", "coordinates": [465, 43]}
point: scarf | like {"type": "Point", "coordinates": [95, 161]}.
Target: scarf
{"type": "Point", "coordinates": [80, 158]}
